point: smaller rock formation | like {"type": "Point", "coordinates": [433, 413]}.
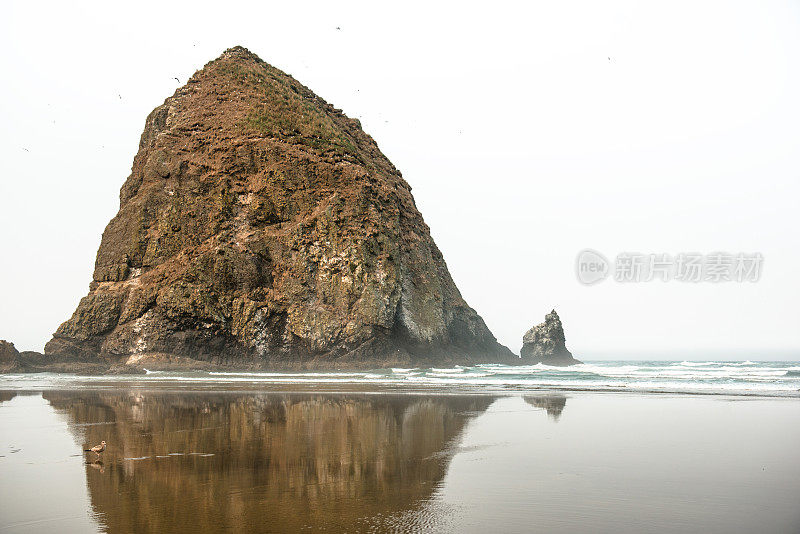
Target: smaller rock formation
{"type": "Point", "coordinates": [9, 356]}
{"type": "Point", "coordinates": [545, 344]}
{"type": "Point", "coordinates": [29, 361]}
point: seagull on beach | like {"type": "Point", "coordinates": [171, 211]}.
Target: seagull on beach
{"type": "Point", "coordinates": [97, 449]}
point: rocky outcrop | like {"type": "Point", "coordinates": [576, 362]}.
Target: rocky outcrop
{"type": "Point", "coordinates": [28, 361]}
{"type": "Point", "coordinates": [9, 356]}
{"type": "Point", "coordinates": [262, 228]}
{"type": "Point", "coordinates": [545, 344]}
{"type": "Point", "coordinates": [12, 360]}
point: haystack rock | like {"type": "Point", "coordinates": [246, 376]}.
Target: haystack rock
{"type": "Point", "coordinates": [262, 228]}
{"type": "Point", "coordinates": [545, 343]}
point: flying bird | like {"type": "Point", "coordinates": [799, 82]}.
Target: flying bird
{"type": "Point", "coordinates": [97, 449]}
{"type": "Point", "coordinates": [177, 80]}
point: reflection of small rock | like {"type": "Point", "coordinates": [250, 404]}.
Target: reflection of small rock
{"type": "Point", "coordinates": [552, 404]}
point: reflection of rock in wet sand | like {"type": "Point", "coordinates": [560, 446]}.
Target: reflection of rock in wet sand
{"type": "Point", "coordinates": [280, 462]}
{"type": "Point", "coordinates": [552, 404]}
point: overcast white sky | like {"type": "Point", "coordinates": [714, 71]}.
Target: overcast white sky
{"type": "Point", "coordinates": [523, 142]}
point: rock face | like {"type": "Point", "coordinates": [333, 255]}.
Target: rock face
{"type": "Point", "coordinates": [545, 344]}
{"type": "Point", "coordinates": [261, 227]}
{"type": "Point", "coordinates": [12, 360]}
{"type": "Point", "coordinates": [9, 356]}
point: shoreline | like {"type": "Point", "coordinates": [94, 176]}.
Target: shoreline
{"type": "Point", "coordinates": [186, 384]}
{"type": "Point", "coordinates": [741, 379]}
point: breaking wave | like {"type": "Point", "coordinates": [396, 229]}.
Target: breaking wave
{"type": "Point", "coordinates": [706, 377]}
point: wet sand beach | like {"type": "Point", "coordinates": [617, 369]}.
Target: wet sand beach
{"type": "Point", "coordinates": [267, 460]}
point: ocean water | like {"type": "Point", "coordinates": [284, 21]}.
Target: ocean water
{"type": "Point", "coordinates": [697, 377]}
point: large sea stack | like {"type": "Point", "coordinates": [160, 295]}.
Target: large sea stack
{"type": "Point", "coordinates": [262, 228]}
